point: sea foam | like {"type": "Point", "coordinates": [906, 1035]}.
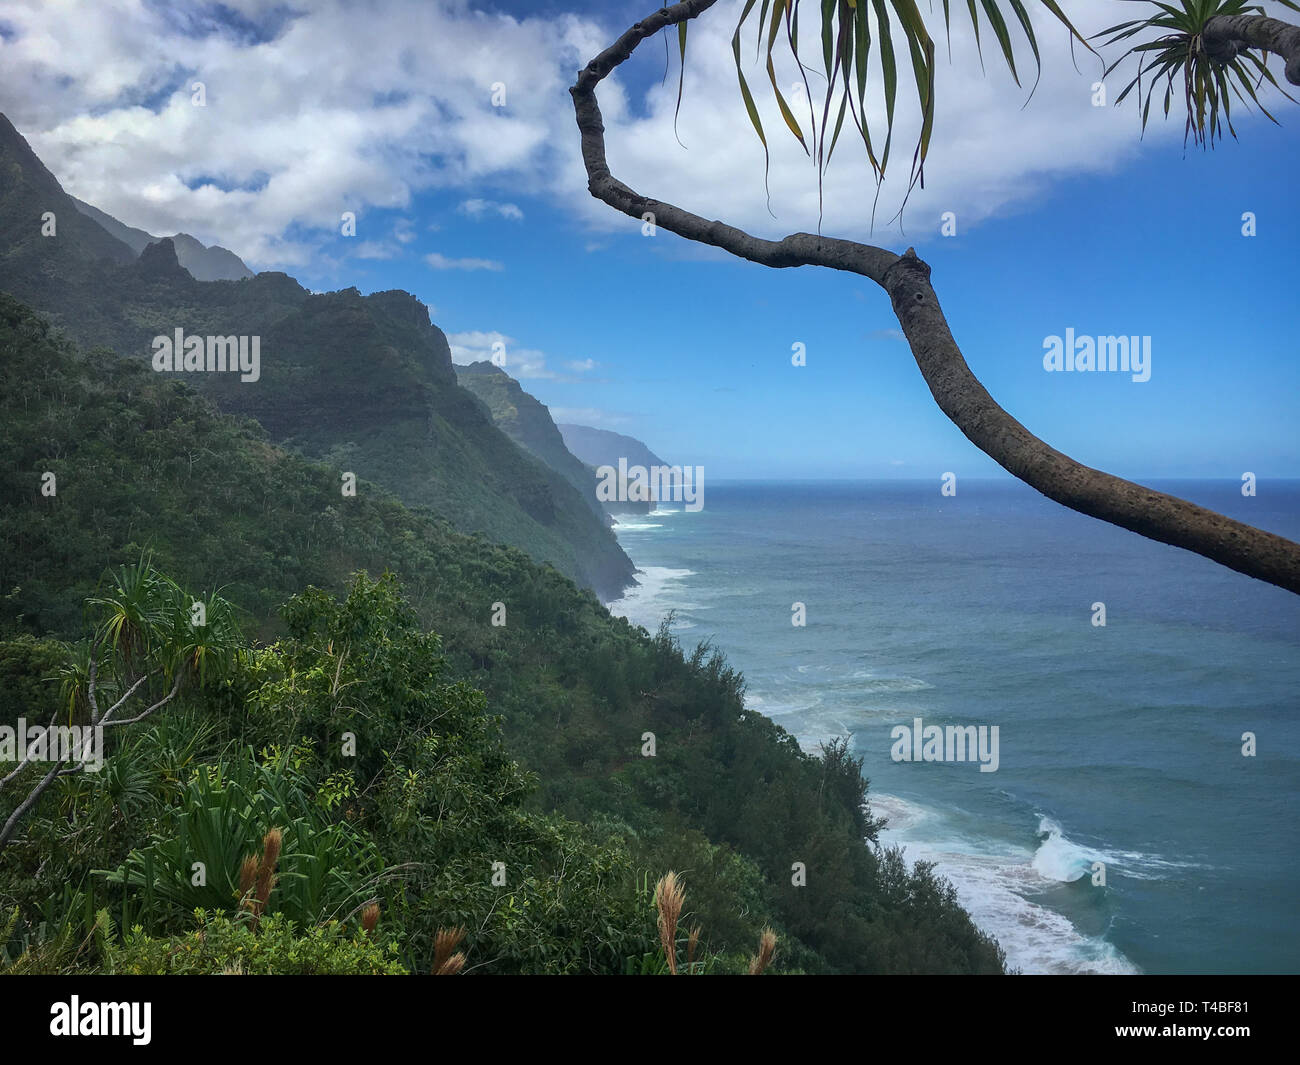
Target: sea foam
{"type": "Point", "coordinates": [994, 882]}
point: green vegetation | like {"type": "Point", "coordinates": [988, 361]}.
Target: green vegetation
{"type": "Point", "coordinates": [437, 790]}
{"type": "Point", "coordinates": [221, 946]}
{"type": "Point", "coordinates": [528, 423]}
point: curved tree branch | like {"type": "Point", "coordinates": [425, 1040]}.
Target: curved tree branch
{"type": "Point", "coordinates": [1226, 35]}
{"type": "Point", "coordinates": [21, 809]}
{"type": "Point", "coordinates": [106, 721]}
{"type": "Point", "coordinates": [955, 388]}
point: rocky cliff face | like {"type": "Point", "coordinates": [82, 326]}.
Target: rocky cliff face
{"type": "Point", "coordinates": [528, 423]}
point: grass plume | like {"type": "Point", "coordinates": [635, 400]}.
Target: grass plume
{"type": "Point", "coordinates": [766, 952]}
{"type": "Point", "coordinates": [670, 896]}
{"type": "Point", "coordinates": [447, 960]}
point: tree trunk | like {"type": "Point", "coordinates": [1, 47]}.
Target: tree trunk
{"type": "Point", "coordinates": [1226, 35]}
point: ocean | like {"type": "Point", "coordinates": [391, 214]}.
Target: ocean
{"type": "Point", "coordinates": [1119, 744]}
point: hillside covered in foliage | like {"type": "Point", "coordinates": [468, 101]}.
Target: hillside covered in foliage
{"type": "Point", "coordinates": [389, 764]}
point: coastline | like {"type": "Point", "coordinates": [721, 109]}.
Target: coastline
{"type": "Point", "coordinates": [996, 883]}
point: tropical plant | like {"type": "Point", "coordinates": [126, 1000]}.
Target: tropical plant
{"type": "Point", "coordinates": [230, 813]}
{"type": "Point", "coordinates": [1209, 47]}
{"type": "Point", "coordinates": [846, 49]}
{"type": "Point", "coordinates": [148, 632]}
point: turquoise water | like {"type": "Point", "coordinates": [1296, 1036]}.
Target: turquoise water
{"type": "Point", "coordinates": [1119, 744]}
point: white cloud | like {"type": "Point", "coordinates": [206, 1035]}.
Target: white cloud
{"type": "Point", "coordinates": [599, 419]}
{"type": "Point", "coordinates": [991, 153]}
{"type": "Point", "coordinates": [478, 208]}
{"type": "Point", "coordinates": [298, 128]}
{"type": "Point", "coordinates": [372, 249]}
{"type": "Point", "coordinates": [312, 122]}
{"type": "Point", "coordinates": [987, 153]}
{"type": "Point", "coordinates": [441, 262]}
{"type": "Point", "coordinates": [482, 345]}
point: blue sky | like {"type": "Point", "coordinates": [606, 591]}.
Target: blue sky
{"type": "Point", "coordinates": [1064, 220]}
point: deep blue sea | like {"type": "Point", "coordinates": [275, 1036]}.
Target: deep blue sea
{"type": "Point", "coordinates": [1119, 744]}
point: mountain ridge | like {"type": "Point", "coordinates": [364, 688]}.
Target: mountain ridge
{"type": "Point", "coordinates": [363, 382]}
{"type": "Point", "coordinates": [204, 262]}
{"type": "Point", "coordinates": [528, 422]}
{"type": "Point", "coordinates": [604, 447]}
